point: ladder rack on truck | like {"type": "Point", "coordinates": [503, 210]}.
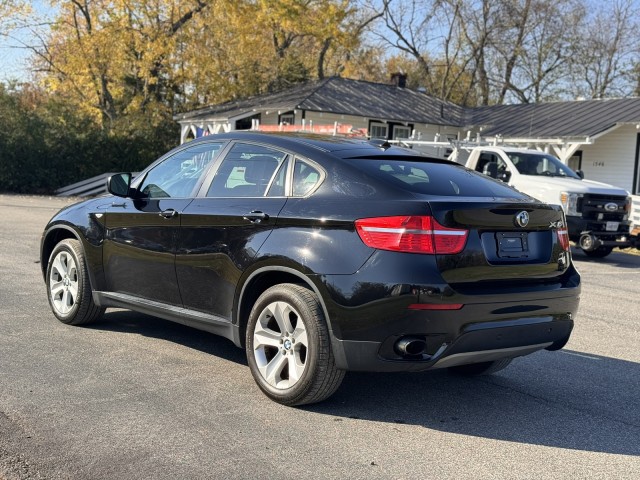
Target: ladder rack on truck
{"type": "Point", "coordinates": [454, 150]}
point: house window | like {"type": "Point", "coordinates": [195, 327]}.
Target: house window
{"type": "Point", "coordinates": [378, 130]}
{"type": "Point", "coordinates": [287, 118]}
{"type": "Point", "coordinates": [401, 132]}
{"type": "Point", "coordinates": [575, 162]}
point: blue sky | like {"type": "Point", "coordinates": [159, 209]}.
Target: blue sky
{"type": "Point", "coordinates": [13, 58]}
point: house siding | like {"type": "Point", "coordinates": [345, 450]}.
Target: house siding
{"type": "Point", "coordinates": [425, 132]}
{"type": "Point", "coordinates": [611, 158]}
{"type": "Point", "coordinates": [321, 118]}
{"type": "Point", "coordinates": [271, 118]}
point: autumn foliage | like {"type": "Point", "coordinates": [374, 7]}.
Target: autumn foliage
{"type": "Point", "coordinates": [107, 76]}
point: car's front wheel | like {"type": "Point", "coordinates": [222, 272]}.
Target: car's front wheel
{"type": "Point", "coordinates": [289, 348]}
{"type": "Point", "coordinates": [68, 286]}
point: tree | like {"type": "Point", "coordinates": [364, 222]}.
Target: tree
{"type": "Point", "coordinates": [543, 69]}
{"type": "Point", "coordinates": [153, 58]}
{"type": "Point", "coordinates": [13, 14]}
{"type": "Point", "coordinates": [603, 61]}
{"type": "Point", "coordinates": [429, 39]}
{"type": "Point", "coordinates": [113, 57]}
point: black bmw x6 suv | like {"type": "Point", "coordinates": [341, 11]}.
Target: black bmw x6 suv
{"type": "Point", "coordinates": [319, 255]}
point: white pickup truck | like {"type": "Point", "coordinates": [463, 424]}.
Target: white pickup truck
{"type": "Point", "coordinates": [598, 215]}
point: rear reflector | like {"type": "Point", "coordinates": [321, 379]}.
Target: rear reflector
{"type": "Point", "coordinates": [435, 306]}
{"type": "Point", "coordinates": [411, 234]}
{"type": "Point", "coordinates": [563, 238]}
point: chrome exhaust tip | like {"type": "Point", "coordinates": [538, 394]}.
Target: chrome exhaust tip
{"type": "Point", "coordinates": [411, 346]}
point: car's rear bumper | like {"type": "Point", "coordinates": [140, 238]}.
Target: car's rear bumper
{"type": "Point", "coordinates": [480, 342]}
{"type": "Point", "coordinates": [488, 320]}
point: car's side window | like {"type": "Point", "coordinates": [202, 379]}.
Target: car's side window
{"type": "Point", "coordinates": [485, 158]}
{"type": "Point", "coordinates": [177, 176]}
{"type": "Point", "coordinates": [278, 186]}
{"type": "Point", "coordinates": [305, 178]}
{"type": "Point", "coordinates": [246, 171]}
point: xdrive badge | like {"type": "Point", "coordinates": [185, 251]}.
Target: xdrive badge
{"type": "Point", "coordinates": [556, 224]}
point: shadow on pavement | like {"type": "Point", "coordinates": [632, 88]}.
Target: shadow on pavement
{"type": "Point", "coordinates": [125, 321]}
{"type": "Point", "coordinates": [616, 258]}
{"type": "Point", "coordinates": [557, 399]}
{"type": "Point", "coordinates": [560, 399]}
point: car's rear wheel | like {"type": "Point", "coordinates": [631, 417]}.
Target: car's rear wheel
{"type": "Point", "coordinates": [68, 286]}
{"type": "Point", "coordinates": [599, 252]}
{"type": "Point", "coordinates": [483, 368]}
{"type": "Point", "coordinates": [288, 347]}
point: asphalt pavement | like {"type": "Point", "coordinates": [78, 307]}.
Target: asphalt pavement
{"type": "Point", "coordinates": [134, 396]}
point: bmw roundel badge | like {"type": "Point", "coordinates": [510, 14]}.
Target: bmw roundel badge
{"type": "Point", "coordinates": [522, 219]}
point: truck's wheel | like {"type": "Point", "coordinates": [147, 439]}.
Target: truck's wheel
{"type": "Point", "coordinates": [484, 368]}
{"type": "Point", "coordinates": [599, 252]}
{"type": "Point", "coordinates": [288, 347]}
{"type": "Point", "coordinates": [68, 286]}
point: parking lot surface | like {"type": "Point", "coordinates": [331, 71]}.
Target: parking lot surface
{"type": "Point", "coordinates": [133, 396]}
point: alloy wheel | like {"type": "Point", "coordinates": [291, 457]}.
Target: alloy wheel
{"type": "Point", "coordinates": [63, 282]}
{"type": "Point", "coordinates": [280, 345]}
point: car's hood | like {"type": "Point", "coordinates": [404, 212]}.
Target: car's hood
{"type": "Point", "coordinates": [572, 185]}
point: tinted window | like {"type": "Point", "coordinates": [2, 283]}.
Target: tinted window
{"type": "Point", "coordinates": [540, 164]}
{"type": "Point", "coordinates": [246, 171]}
{"type": "Point", "coordinates": [436, 178]}
{"type": "Point", "coordinates": [305, 178]}
{"type": "Point", "coordinates": [178, 175]}
{"type": "Point", "coordinates": [277, 188]}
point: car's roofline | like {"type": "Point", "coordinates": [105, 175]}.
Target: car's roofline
{"type": "Point", "coordinates": [339, 146]}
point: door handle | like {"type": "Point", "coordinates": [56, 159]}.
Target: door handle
{"type": "Point", "coordinates": [168, 213]}
{"type": "Point", "coordinates": [256, 216]}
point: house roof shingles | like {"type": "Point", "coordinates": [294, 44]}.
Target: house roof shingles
{"type": "Point", "coordinates": [389, 102]}
{"type": "Point", "coordinates": [347, 97]}
{"type": "Point", "coordinates": [556, 119]}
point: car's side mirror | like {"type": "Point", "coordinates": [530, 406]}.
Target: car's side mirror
{"type": "Point", "coordinates": [119, 184]}
{"type": "Point", "coordinates": [580, 173]}
{"type": "Point", "coordinates": [504, 176]}
{"type": "Point", "coordinates": [491, 169]}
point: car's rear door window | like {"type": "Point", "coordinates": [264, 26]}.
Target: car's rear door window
{"type": "Point", "coordinates": [306, 177]}
{"type": "Point", "coordinates": [246, 171]}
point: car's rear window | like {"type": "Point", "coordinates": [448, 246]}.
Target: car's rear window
{"type": "Point", "coordinates": [430, 178]}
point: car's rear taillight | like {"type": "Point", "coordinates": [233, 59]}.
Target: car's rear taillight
{"type": "Point", "coordinates": [563, 238]}
{"type": "Point", "coordinates": [411, 234]}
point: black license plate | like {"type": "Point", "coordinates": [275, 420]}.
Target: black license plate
{"type": "Point", "coordinates": [512, 244]}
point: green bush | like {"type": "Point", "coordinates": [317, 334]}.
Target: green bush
{"type": "Point", "coordinates": [45, 144]}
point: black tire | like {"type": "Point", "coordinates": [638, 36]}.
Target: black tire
{"type": "Point", "coordinates": [484, 368]}
{"type": "Point", "coordinates": [599, 252]}
{"type": "Point", "coordinates": [302, 372]}
{"type": "Point", "coordinates": [68, 287]}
